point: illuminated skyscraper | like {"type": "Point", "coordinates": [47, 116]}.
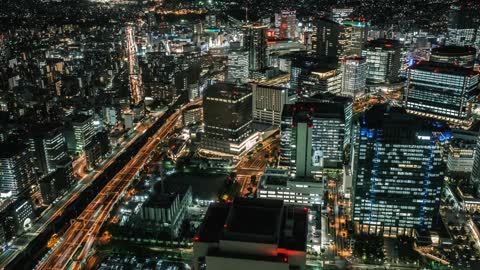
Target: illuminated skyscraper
{"type": "Point", "coordinates": [288, 24]}
{"type": "Point", "coordinates": [354, 36]}
{"type": "Point", "coordinates": [354, 76]}
{"type": "Point", "coordinates": [315, 75]}
{"type": "Point", "coordinates": [326, 38]}
{"type": "Point", "coordinates": [314, 134]}
{"type": "Point", "coordinates": [268, 102]}
{"type": "Point", "coordinates": [79, 133]}
{"type": "Point", "coordinates": [237, 65]}
{"type": "Point", "coordinates": [463, 56]}
{"type": "Point", "coordinates": [16, 168]}
{"type": "Point", "coordinates": [463, 24]}
{"type": "Point", "coordinates": [227, 113]}
{"type": "Point", "coordinates": [426, 93]}
{"type": "Point", "coordinates": [399, 172]}
{"type": "Point", "coordinates": [49, 149]}
{"type": "Point", "coordinates": [383, 60]}
{"type": "Point", "coordinates": [255, 42]}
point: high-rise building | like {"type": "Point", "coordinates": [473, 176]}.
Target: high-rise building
{"type": "Point", "coordinates": [16, 168]}
{"type": "Point", "coordinates": [315, 75]}
{"type": "Point", "coordinates": [256, 234]}
{"type": "Point", "coordinates": [461, 154]}
{"type": "Point", "coordinates": [314, 134]}
{"type": "Point", "coordinates": [463, 24]}
{"type": "Point", "coordinates": [268, 103]}
{"type": "Point", "coordinates": [288, 24]}
{"type": "Point", "coordinates": [56, 183]}
{"type": "Point", "coordinates": [326, 38]}
{"type": "Point", "coordinates": [49, 148]}
{"type": "Point", "coordinates": [461, 37]}
{"type": "Point", "coordinates": [255, 42]}
{"type": "Point", "coordinates": [353, 37]}
{"type": "Point", "coordinates": [192, 115]}
{"type": "Point", "coordinates": [341, 14]}
{"type": "Point", "coordinates": [427, 96]}
{"type": "Point", "coordinates": [354, 76]}
{"type": "Point", "coordinates": [79, 133]}
{"type": "Point", "coordinates": [383, 60]}
{"type": "Point", "coordinates": [227, 113]}
{"type": "Point", "coordinates": [97, 149]}
{"type": "Point", "coordinates": [463, 56]}
{"type": "Point", "coordinates": [237, 65]}
{"type": "Point", "coordinates": [399, 171]}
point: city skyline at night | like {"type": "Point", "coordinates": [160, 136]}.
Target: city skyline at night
{"type": "Point", "coordinates": [239, 134]}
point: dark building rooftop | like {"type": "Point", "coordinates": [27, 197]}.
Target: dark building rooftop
{"type": "Point", "coordinates": [445, 68]}
{"type": "Point", "coordinates": [399, 126]}
{"type": "Point", "coordinates": [384, 43]}
{"type": "Point", "coordinates": [302, 111]}
{"type": "Point", "coordinates": [227, 91]}
{"type": "Point", "coordinates": [454, 50]}
{"type": "Point", "coordinates": [9, 149]}
{"type": "Point", "coordinates": [257, 221]}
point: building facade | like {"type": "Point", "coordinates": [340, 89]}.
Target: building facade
{"type": "Point", "coordinates": [455, 55]}
{"type": "Point", "coordinates": [354, 76]}
{"type": "Point", "coordinates": [49, 149]}
{"type": "Point", "coordinates": [17, 172]}
{"type": "Point", "coordinates": [238, 65]}
{"type": "Point", "coordinates": [441, 91]}
{"type": "Point", "coordinates": [278, 184]}
{"type": "Point", "coordinates": [255, 42]}
{"type": "Point", "coordinates": [227, 114]}
{"type": "Point", "coordinates": [268, 102]}
{"type": "Point", "coordinates": [383, 60]}
{"type": "Point", "coordinates": [399, 172]}
{"type": "Point", "coordinates": [313, 136]}
{"type": "Point", "coordinates": [256, 234]}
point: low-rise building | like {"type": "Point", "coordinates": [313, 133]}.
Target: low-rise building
{"type": "Point", "coordinates": [254, 234]}
{"type": "Point", "coordinates": [166, 210]}
{"type": "Point", "coordinates": [277, 184]}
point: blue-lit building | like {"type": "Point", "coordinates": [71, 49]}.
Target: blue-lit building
{"type": "Point", "coordinates": [441, 91]}
{"type": "Point", "coordinates": [399, 171]}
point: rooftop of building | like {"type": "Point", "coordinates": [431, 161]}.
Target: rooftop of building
{"type": "Point", "coordinates": [399, 126]}
{"type": "Point", "coordinates": [353, 58]}
{"type": "Point", "coordinates": [80, 118]}
{"type": "Point", "coordinates": [444, 68]}
{"type": "Point", "coordinates": [164, 198]}
{"type": "Point", "coordinates": [193, 107]}
{"type": "Point", "coordinates": [312, 62]}
{"type": "Point", "coordinates": [45, 129]}
{"type": "Point", "coordinates": [275, 180]}
{"type": "Point", "coordinates": [454, 50]}
{"type": "Point", "coordinates": [325, 20]}
{"type": "Point", "coordinates": [225, 90]}
{"type": "Point", "coordinates": [256, 221]}
{"type": "Point", "coordinates": [161, 200]}
{"type": "Point", "coordinates": [383, 43]}
{"type": "Point", "coordinates": [9, 149]}
{"type": "Point", "coordinates": [321, 109]}
{"type": "Point", "coordinates": [463, 144]}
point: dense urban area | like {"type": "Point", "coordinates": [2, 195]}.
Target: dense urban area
{"type": "Point", "coordinates": [239, 134]}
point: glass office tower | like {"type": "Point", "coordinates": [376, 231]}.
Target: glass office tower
{"type": "Point", "coordinates": [400, 172]}
{"type": "Point", "coordinates": [442, 91]}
